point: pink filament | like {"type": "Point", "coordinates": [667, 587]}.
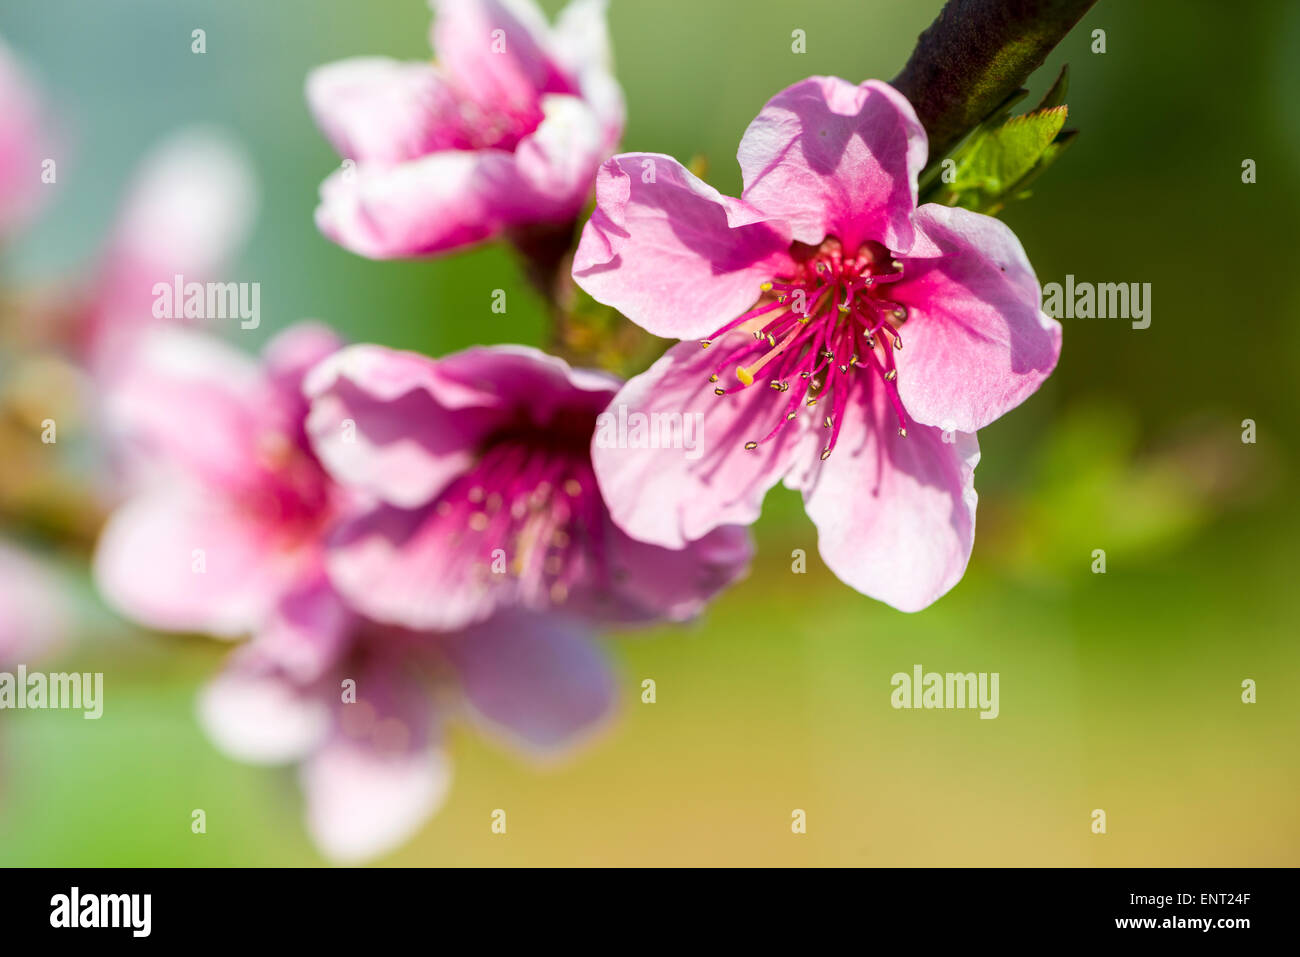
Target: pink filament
{"type": "Point", "coordinates": [851, 327]}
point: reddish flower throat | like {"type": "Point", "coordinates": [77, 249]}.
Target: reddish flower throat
{"type": "Point", "coordinates": [816, 333]}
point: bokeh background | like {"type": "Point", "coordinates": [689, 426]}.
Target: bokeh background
{"type": "Point", "coordinates": [1119, 691]}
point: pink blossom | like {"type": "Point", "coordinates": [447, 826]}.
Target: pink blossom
{"type": "Point", "coordinates": [374, 768]}
{"type": "Point", "coordinates": [227, 536]}
{"type": "Point", "coordinates": [232, 504]}
{"type": "Point", "coordinates": [505, 130]}
{"type": "Point", "coordinates": [24, 143]}
{"type": "Point", "coordinates": [480, 467]}
{"type": "Point", "coordinates": [190, 205]}
{"type": "Point", "coordinates": [800, 291]}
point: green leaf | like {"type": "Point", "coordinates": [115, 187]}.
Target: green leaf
{"type": "Point", "coordinates": [1056, 95]}
{"type": "Point", "coordinates": [999, 159]}
{"type": "Point", "coordinates": [1050, 155]}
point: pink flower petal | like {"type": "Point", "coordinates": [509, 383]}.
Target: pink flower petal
{"type": "Point", "coordinates": [834, 159]}
{"type": "Point", "coordinates": [390, 423]}
{"type": "Point", "coordinates": [580, 44]}
{"type": "Point", "coordinates": [670, 252]}
{"type": "Point", "coordinates": [555, 164]}
{"type": "Point", "coordinates": [308, 631]}
{"type": "Point", "coordinates": [426, 206]}
{"type": "Point", "coordinates": [362, 803]}
{"type": "Point", "coordinates": [506, 131]}
{"type": "Point", "coordinates": [287, 359]}
{"type": "Point", "coordinates": [291, 354]}
{"type": "Point", "coordinates": [254, 713]}
{"type": "Point", "coordinates": [977, 343]}
{"type": "Point", "coordinates": [419, 570]}
{"type": "Point", "coordinates": [655, 584]}
{"type": "Point", "coordinates": [417, 422]}
{"type": "Point", "coordinates": [529, 384]}
{"type": "Point", "coordinates": [185, 401]}
{"type": "Point", "coordinates": [671, 496]}
{"type": "Point", "coordinates": [895, 516]}
{"type": "Point", "coordinates": [455, 198]}
{"type": "Point", "coordinates": [538, 680]}
{"type": "Point", "coordinates": [404, 567]}
{"type": "Point", "coordinates": [497, 50]}
{"type": "Point", "coordinates": [376, 109]}
{"type": "Point", "coordinates": [382, 772]}
{"type": "Point", "coordinates": [191, 204]}
{"type": "Point", "coordinates": [147, 563]}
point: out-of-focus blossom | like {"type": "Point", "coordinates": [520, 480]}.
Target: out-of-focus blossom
{"type": "Point", "coordinates": [480, 463]}
{"type": "Point", "coordinates": [33, 609]}
{"type": "Point", "coordinates": [505, 130]}
{"type": "Point", "coordinates": [232, 505]}
{"type": "Point", "coordinates": [800, 291]}
{"type": "Point", "coordinates": [190, 206]}
{"type": "Point", "coordinates": [24, 143]}
{"type": "Point", "coordinates": [363, 709]}
{"type": "Point", "coordinates": [227, 536]}
{"type": "Point", "coordinates": [68, 345]}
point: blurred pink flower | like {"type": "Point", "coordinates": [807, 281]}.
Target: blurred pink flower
{"type": "Point", "coordinates": [363, 708]}
{"type": "Point", "coordinates": [805, 282]}
{"type": "Point", "coordinates": [232, 504]}
{"type": "Point", "coordinates": [191, 204]}
{"type": "Point", "coordinates": [480, 464]}
{"type": "Point", "coordinates": [34, 612]}
{"type": "Point", "coordinates": [24, 143]}
{"type": "Point", "coordinates": [505, 130]}
{"type": "Point", "coordinates": [227, 536]}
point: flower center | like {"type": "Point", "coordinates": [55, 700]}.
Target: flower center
{"type": "Point", "coordinates": [289, 490]}
{"type": "Point", "coordinates": [530, 514]}
{"type": "Point", "coordinates": [818, 332]}
{"type": "Point", "coordinates": [500, 128]}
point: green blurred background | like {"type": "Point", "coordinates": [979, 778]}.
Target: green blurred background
{"type": "Point", "coordinates": [1118, 691]}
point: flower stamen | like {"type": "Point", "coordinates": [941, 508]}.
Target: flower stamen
{"type": "Point", "coordinates": [846, 323]}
